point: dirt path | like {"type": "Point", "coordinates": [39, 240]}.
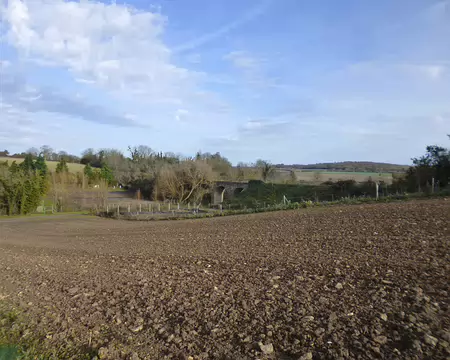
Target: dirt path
{"type": "Point", "coordinates": [356, 282]}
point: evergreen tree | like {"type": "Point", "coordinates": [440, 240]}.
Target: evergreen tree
{"type": "Point", "coordinates": [89, 172]}
{"type": "Point", "coordinates": [14, 167]}
{"type": "Point", "coordinates": [62, 167]}
{"type": "Point", "coordinates": [21, 188]}
{"type": "Point", "coordinates": [41, 165]}
{"type": "Point", "coordinates": [42, 169]}
{"type": "Point", "coordinates": [106, 174]}
{"type": "Point", "coordinates": [28, 163]}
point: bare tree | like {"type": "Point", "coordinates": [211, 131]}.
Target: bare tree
{"type": "Point", "coordinates": [292, 177]}
{"type": "Point", "coordinates": [141, 152]}
{"type": "Point", "coordinates": [317, 176]}
{"type": "Point", "coordinates": [187, 181]}
{"type": "Point", "coordinates": [47, 152]}
{"type": "Point", "coordinates": [33, 151]}
{"type": "Point", "coordinates": [101, 195]}
{"type": "Point", "coordinates": [62, 155]}
{"type": "Point", "coordinates": [266, 169]}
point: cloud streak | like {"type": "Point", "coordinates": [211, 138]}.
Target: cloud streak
{"type": "Point", "coordinates": [209, 37]}
{"type": "Point", "coordinates": [19, 97]}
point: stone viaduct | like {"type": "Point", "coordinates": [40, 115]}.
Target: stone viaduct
{"type": "Point", "coordinates": [226, 190]}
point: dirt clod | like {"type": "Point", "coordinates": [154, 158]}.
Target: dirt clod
{"type": "Point", "coordinates": [266, 349]}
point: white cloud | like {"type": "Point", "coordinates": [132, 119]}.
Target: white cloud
{"type": "Point", "coordinates": [253, 124]}
{"type": "Point", "coordinates": [253, 69]}
{"type": "Point", "coordinates": [4, 64]}
{"type": "Point", "coordinates": [181, 114]}
{"type": "Point", "coordinates": [114, 46]}
{"type": "Point", "coordinates": [243, 60]}
{"type": "Point", "coordinates": [194, 58]}
{"type": "Point", "coordinates": [121, 49]}
{"type": "Point", "coordinates": [434, 71]}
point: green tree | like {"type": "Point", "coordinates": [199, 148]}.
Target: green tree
{"type": "Point", "coordinates": [435, 164]}
{"type": "Point", "coordinates": [28, 163]}
{"type": "Point", "coordinates": [89, 172]}
{"type": "Point", "coordinates": [21, 188]}
{"type": "Point", "coordinates": [41, 165]}
{"type": "Point", "coordinates": [42, 170]}
{"type": "Point", "coordinates": [106, 174]}
{"type": "Point", "coordinates": [62, 167]}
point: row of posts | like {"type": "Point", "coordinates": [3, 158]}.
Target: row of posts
{"type": "Point", "coordinates": [285, 201]}
{"type": "Point", "coordinates": [150, 207]}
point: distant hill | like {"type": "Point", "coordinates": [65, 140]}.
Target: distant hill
{"type": "Point", "coordinates": [358, 166]}
{"type": "Point", "coordinates": [73, 167]}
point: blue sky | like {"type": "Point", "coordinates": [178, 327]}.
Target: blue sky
{"type": "Point", "coordinates": [290, 81]}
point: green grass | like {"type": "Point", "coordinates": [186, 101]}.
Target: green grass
{"type": "Point", "coordinates": [14, 323]}
{"type": "Point", "coordinates": [8, 352]}
{"type": "Point", "coordinates": [84, 212]}
{"type": "Point", "coordinates": [73, 168]}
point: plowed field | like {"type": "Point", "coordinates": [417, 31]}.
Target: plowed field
{"type": "Point", "coordinates": [348, 282]}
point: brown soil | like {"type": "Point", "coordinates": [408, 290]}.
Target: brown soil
{"type": "Point", "coordinates": [355, 282]}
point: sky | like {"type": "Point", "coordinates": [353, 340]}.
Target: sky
{"type": "Point", "coordinates": [289, 81]}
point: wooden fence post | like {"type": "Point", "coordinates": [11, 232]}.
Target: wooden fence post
{"type": "Point", "coordinates": [140, 208]}
{"type": "Point", "coordinates": [376, 189]}
{"type": "Point", "coordinates": [432, 185]}
{"type": "Point", "coordinates": [118, 209]}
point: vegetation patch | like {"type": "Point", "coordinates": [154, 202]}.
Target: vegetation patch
{"type": "Point", "coordinates": [22, 339]}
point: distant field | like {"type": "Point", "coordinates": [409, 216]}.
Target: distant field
{"type": "Point", "coordinates": [73, 168]}
{"type": "Point", "coordinates": [319, 176]}
{"type": "Point", "coordinates": [364, 173]}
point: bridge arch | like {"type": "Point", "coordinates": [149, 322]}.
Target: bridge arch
{"type": "Point", "coordinates": [223, 190]}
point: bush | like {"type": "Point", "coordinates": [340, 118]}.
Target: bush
{"type": "Point", "coordinates": [21, 187]}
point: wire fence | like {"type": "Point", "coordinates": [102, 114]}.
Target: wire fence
{"type": "Point", "coordinates": [175, 211]}
{"type": "Point", "coordinates": [130, 208]}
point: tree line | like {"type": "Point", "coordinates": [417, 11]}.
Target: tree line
{"type": "Point", "coordinates": [46, 151]}
{"type": "Point", "coordinates": [165, 176]}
